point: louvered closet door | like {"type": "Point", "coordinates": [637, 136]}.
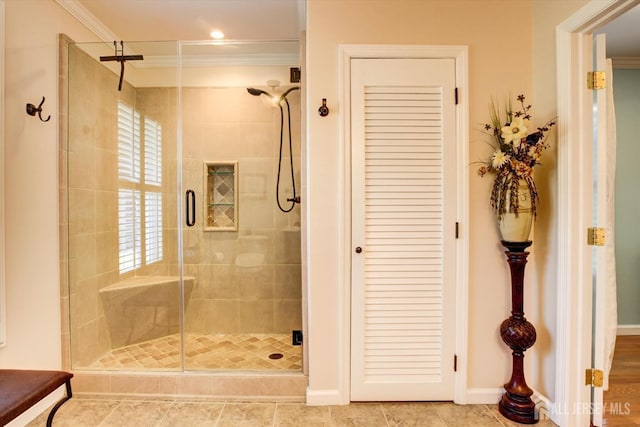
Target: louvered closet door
{"type": "Point", "coordinates": [403, 220]}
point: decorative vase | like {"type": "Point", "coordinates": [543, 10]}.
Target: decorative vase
{"type": "Point", "coordinates": [516, 227]}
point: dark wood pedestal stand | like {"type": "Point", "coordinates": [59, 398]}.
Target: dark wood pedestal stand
{"type": "Point", "coordinates": [519, 335]}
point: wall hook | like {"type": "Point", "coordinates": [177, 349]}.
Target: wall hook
{"type": "Point", "coordinates": [323, 110]}
{"type": "Point", "coordinates": [32, 110]}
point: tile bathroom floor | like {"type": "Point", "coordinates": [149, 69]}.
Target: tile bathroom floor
{"type": "Point", "coordinates": [208, 352]}
{"type": "Point", "coordinates": [247, 352]}
{"type": "Point", "coordinates": [122, 413]}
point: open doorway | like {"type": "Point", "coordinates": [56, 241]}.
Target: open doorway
{"type": "Point", "coordinates": [623, 47]}
{"type": "Point", "coordinates": [575, 106]}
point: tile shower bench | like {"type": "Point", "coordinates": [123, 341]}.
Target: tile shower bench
{"type": "Point", "coordinates": [21, 389]}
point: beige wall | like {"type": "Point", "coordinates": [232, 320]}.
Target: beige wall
{"type": "Point", "coordinates": [501, 62]}
{"type": "Point", "coordinates": [31, 187]}
{"type": "Point", "coordinates": [541, 294]}
{"type": "Point", "coordinates": [31, 182]}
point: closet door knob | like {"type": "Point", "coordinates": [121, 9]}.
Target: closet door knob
{"type": "Point", "coordinates": [358, 249]}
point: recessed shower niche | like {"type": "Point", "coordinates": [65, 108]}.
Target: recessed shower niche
{"type": "Point", "coordinates": [172, 183]}
{"type": "Point", "coordinates": [221, 188]}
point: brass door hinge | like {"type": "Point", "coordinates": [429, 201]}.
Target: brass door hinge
{"type": "Point", "coordinates": [596, 236]}
{"type": "Point", "coordinates": [593, 377]}
{"type": "Point", "coordinates": [596, 80]}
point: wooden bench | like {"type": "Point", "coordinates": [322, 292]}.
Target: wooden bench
{"type": "Point", "coordinates": [21, 389]}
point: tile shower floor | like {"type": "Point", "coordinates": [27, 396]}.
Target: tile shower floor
{"type": "Point", "coordinates": [223, 351]}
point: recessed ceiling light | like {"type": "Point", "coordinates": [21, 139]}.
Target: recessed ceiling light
{"type": "Point", "coordinates": [217, 34]}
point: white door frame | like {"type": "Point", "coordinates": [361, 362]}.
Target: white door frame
{"type": "Point", "coordinates": [460, 54]}
{"type": "Point", "coordinates": [574, 305]}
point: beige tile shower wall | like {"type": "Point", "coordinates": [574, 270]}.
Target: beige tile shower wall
{"type": "Point", "coordinates": [93, 197]}
{"type": "Point", "coordinates": [160, 104]}
{"type": "Point", "coordinates": [228, 124]}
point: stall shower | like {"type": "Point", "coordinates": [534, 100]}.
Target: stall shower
{"type": "Point", "coordinates": [178, 257]}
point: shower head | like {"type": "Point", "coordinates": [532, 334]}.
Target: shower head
{"type": "Point", "coordinates": [257, 92]}
{"type": "Point", "coordinates": [284, 95]}
{"type": "Point", "coordinates": [275, 100]}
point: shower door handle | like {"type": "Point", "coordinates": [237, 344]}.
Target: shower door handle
{"type": "Point", "coordinates": [190, 208]}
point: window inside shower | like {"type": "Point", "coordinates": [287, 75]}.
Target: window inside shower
{"type": "Point", "coordinates": [153, 285]}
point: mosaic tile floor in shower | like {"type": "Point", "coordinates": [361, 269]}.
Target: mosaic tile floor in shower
{"type": "Point", "coordinates": [210, 352]}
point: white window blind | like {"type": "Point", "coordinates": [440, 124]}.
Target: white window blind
{"type": "Point", "coordinates": [138, 194]}
{"type": "Point", "coordinates": [128, 143]}
{"type": "Point", "coordinates": [129, 234]}
{"type": "Point", "coordinates": [152, 152]}
{"type": "Point", "coordinates": [153, 227]}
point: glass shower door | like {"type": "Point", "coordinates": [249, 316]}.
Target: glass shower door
{"type": "Point", "coordinates": [124, 271]}
{"type": "Point", "coordinates": [179, 257]}
{"type": "Point", "coordinates": [242, 252]}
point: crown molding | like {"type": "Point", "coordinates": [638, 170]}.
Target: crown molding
{"type": "Point", "coordinates": [88, 19]}
{"type": "Point", "coordinates": [631, 62]}
{"type": "Point", "coordinates": [218, 61]}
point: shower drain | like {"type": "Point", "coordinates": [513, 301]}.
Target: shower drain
{"type": "Point", "coordinates": [275, 356]}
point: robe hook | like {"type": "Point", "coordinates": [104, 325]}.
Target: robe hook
{"type": "Point", "coordinates": [32, 110]}
{"type": "Point", "coordinates": [323, 110]}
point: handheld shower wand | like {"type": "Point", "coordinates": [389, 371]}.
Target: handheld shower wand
{"type": "Point", "coordinates": [277, 100]}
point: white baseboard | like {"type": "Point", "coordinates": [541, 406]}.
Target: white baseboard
{"type": "Point", "coordinates": [628, 330]}
{"type": "Point", "coordinates": [491, 396]}
{"type": "Point", "coordinates": [475, 396]}
{"type": "Point", "coordinates": [480, 396]}
{"type": "Point", "coordinates": [324, 397]}
{"type": "Point", "coordinates": [543, 406]}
